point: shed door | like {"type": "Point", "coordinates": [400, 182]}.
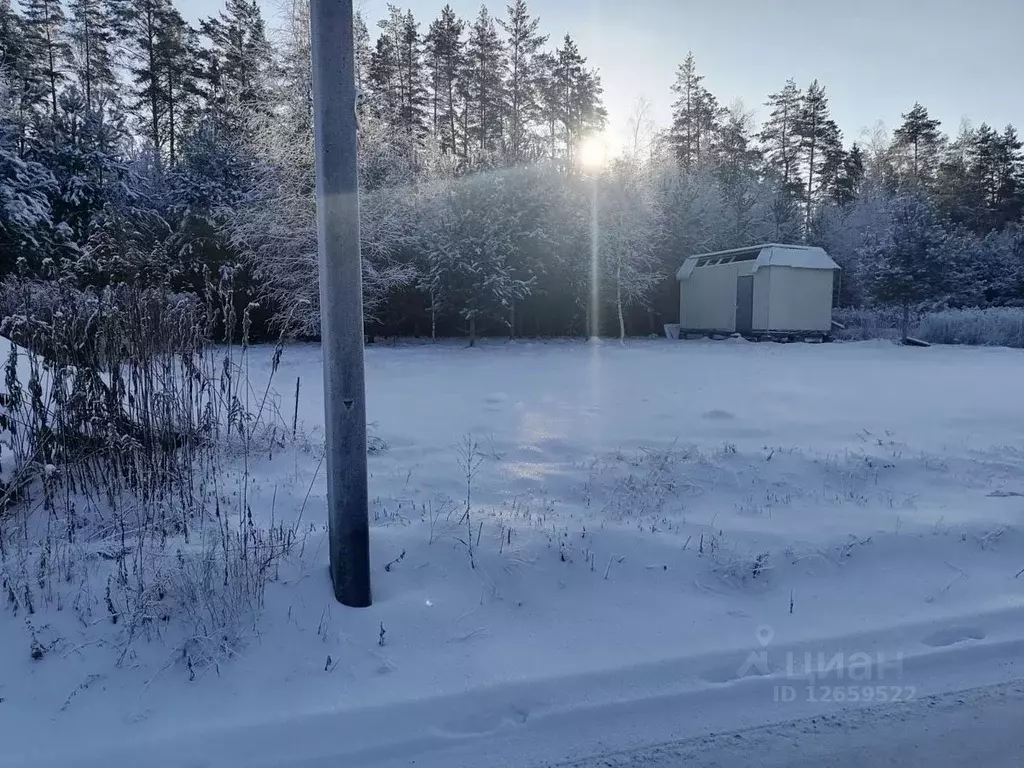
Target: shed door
{"type": "Point", "coordinates": [745, 304]}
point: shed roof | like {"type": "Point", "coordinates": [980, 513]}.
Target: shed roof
{"type": "Point", "coordinates": [768, 254]}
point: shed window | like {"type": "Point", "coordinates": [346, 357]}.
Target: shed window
{"type": "Point", "coordinates": [748, 256]}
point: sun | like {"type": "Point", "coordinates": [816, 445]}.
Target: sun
{"type": "Point", "coordinates": [593, 152]}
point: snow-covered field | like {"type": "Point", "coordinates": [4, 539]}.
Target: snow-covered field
{"type": "Point", "coordinates": [663, 538]}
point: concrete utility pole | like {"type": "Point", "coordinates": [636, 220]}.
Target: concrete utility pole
{"type": "Point", "coordinates": [341, 298]}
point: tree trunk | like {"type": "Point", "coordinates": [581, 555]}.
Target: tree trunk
{"type": "Point", "coordinates": [810, 184]}
{"type": "Point", "coordinates": [512, 320]}
{"type": "Point", "coordinates": [905, 329]}
{"type": "Point", "coordinates": [88, 64]}
{"type": "Point", "coordinates": [451, 112]}
{"type": "Point", "coordinates": [472, 330]}
{"type": "Point", "coordinates": [618, 302]}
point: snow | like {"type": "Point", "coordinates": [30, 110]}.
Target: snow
{"type": "Point", "coordinates": [959, 730]}
{"type": "Point", "coordinates": [770, 254]}
{"type": "Point", "coordinates": [644, 518]}
{"type": "Point", "coordinates": [803, 257]}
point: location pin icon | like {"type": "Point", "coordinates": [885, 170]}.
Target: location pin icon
{"type": "Point", "coordinates": [765, 634]}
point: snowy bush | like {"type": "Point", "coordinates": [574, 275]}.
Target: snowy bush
{"type": "Point", "coordinates": [996, 326]}
{"type": "Point", "coordinates": [867, 323]}
{"type": "Point", "coordinates": [125, 441]}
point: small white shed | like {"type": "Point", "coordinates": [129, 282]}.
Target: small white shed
{"type": "Point", "coordinates": [758, 291]}
{"type": "Point", "coordinates": [762, 290]}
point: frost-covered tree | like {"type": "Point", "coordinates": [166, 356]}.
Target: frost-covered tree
{"type": "Point", "coordinates": [629, 227]}
{"type": "Point", "coordinates": [25, 190]}
{"type": "Point", "coordinates": [908, 263]}
{"type": "Point", "coordinates": [85, 154]}
{"type": "Point", "coordinates": [273, 224]}
{"type": "Point", "coordinates": [641, 131]}
{"type": "Point", "coordinates": [471, 256]}
{"type": "Point", "coordinates": [1003, 270]}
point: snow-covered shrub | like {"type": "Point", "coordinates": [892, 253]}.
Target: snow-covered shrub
{"type": "Point", "coordinates": [125, 441]}
{"type": "Point", "coordinates": [996, 326]}
{"type": "Point", "coordinates": [641, 486]}
{"type": "Point", "coordinates": [867, 323]}
{"type": "Point", "coordinates": [216, 590]}
{"type": "Point", "coordinates": [43, 314]}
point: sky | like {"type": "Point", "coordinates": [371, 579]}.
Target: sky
{"type": "Point", "coordinates": [960, 58]}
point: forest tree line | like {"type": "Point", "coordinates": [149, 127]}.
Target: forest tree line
{"type": "Point", "coordinates": [137, 147]}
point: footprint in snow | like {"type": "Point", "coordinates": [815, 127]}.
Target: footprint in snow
{"type": "Point", "coordinates": [952, 636]}
{"type": "Point", "coordinates": [718, 415]}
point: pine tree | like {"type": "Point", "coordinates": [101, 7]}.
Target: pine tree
{"type": "Point", "coordinates": [908, 264]}
{"type": "Point", "coordinates": [549, 101]}
{"type": "Point", "coordinates": [82, 150]}
{"type": "Point", "coordinates": [44, 23]}
{"type": "Point", "coordinates": [385, 96]}
{"type": "Point", "coordinates": [919, 139]}
{"type": "Point", "coordinates": [996, 166]}
{"type": "Point", "coordinates": [1011, 178]}
{"type": "Point", "coordinates": [24, 84]}
{"type": "Point", "coordinates": [821, 145]}
{"type": "Point", "coordinates": [696, 115]}
{"type": "Point", "coordinates": [958, 193]}
{"type": "Point", "coordinates": [523, 45]}
{"type": "Point", "coordinates": [239, 64]}
{"type": "Point", "coordinates": [573, 97]}
{"type": "Point", "coordinates": [484, 75]}
{"type": "Point", "coordinates": [781, 138]}
{"type": "Point", "coordinates": [470, 267]}
{"type": "Point", "coordinates": [25, 190]}
{"type": "Point", "coordinates": [296, 84]}
{"type": "Point", "coordinates": [140, 26]}
{"type": "Point", "coordinates": [398, 94]}
{"type": "Point", "coordinates": [92, 39]}
{"type": "Point", "coordinates": [363, 51]}
{"type": "Point", "coordinates": [736, 158]}
{"type": "Point", "coordinates": [736, 164]}
{"type": "Point", "coordinates": [850, 177]}
{"type": "Point", "coordinates": [445, 61]}
{"type": "Point", "coordinates": [413, 108]}
{"type": "Point", "coordinates": [178, 53]}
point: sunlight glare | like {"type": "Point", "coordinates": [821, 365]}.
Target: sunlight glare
{"type": "Point", "coordinates": [593, 153]}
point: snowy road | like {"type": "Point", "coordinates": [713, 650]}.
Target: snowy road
{"type": "Point", "coordinates": [958, 730]}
